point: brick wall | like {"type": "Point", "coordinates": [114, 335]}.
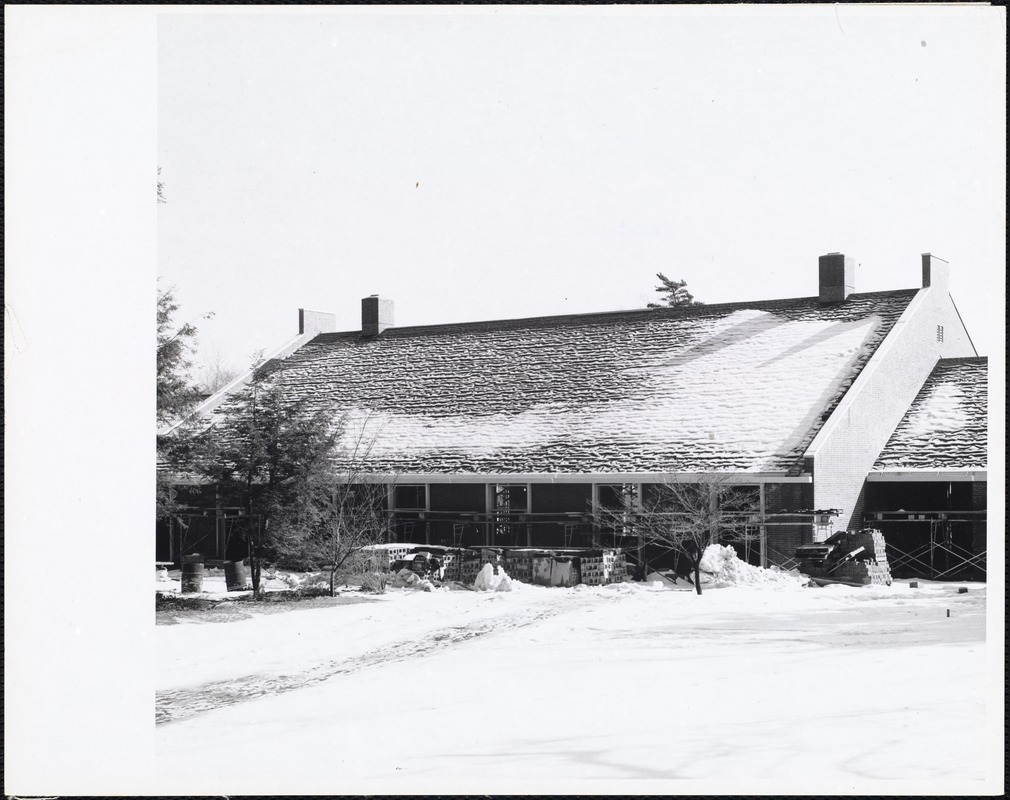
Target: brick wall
{"type": "Point", "coordinates": [848, 444]}
{"type": "Point", "coordinates": [783, 535]}
{"type": "Point", "coordinates": [978, 495]}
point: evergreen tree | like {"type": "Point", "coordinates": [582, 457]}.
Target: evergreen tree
{"type": "Point", "coordinates": [675, 293]}
{"type": "Point", "coordinates": [176, 396]}
{"type": "Point", "coordinates": [271, 457]}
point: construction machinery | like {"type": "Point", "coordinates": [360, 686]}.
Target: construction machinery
{"type": "Point", "coordinates": [854, 558]}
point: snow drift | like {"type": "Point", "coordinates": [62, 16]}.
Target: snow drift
{"type": "Point", "coordinates": [408, 579]}
{"type": "Point", "coordinates": [489, 581]}
{"type": "Point", "coordinates": [720, 567]}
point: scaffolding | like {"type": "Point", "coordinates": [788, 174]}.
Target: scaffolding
{"type": "Point", "coordinates": [206, 532]}
{"type": "Point", "coordinates": [938, 555]}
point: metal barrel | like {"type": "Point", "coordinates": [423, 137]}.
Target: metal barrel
{"type": "Point", "coordinates": [235, 576]}
{"type": "Point", "coordinates": [192, 574]}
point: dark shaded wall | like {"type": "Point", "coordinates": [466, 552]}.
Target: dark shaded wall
{"type": "Point", "coordinates": [785, 534]}
{"type": "Point", "coordinates": [932, 528]}
{"type": "Point", "coordinates": [447, 502]}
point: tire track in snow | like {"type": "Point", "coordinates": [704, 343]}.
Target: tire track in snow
{"type": "Point", "coordinates": [177, 704]}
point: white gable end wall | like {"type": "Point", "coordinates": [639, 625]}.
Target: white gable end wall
{"type": "Point", "coordinates": [844, 450]}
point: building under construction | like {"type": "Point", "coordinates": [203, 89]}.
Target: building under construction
{"type": "Point", "coordinates": [841, 410]}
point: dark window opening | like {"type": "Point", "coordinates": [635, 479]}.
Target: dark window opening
{"type": "Point", "coordinates": [409, 497]}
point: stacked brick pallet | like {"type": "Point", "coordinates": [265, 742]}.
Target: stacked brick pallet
{"type": "Point", "coordinates": [451, 561]}
{"type": "Point", "coordinates": [880, 572]}
{"type": "Point", "coordinates": [472, 561]}
{"type": "Point", "coordinates": [519, 565]}
{"type": "Point", "coordinates": [368, 561]}
{"type": "Point", "coordinates": [603, 566]}
{"type": "Point", "coordinates": [545, 567]}
{"type": "Point", "coordinates": [619, 568]}
{"type": "Point", "coordinates": [382, 557]}
{"type": "Point", "coordinates": [490, 555]}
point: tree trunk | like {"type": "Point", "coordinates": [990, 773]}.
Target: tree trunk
{"type": "Point", "coordinates": [255, 561]}
{"type": "Point", "coordinates": [697, 575]}
{"type": "Point", "coordinates": [255, 570]}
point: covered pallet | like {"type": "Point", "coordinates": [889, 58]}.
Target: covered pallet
{"type": "Point", "coordinates": [856, 558]}
{"type": "Point", "coordinates": [550, 570]}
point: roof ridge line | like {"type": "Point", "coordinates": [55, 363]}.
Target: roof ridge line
{"type": "Point", "coordinates": [664, 311]}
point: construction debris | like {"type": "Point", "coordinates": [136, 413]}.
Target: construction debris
{"type": "Point", "coordinates": [848, 557]}
{"type": "Point", "coordinates": [465, 565]}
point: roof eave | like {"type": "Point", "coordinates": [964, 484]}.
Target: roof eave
{"type": "Point", "coordinates": [941, 474]}
{"type": "Point", "coordinates": [741, 478]}
{"type": "Point", "coordinates": [591, 477]}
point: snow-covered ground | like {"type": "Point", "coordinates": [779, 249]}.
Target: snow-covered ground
{"type": "Point", "coordinates": [626, 688]}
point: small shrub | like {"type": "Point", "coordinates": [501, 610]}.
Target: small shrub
{"type": "Point", "coordinates": [165, 601]}
{"type": "Point", "coordinates": [374, 583]}
{"type": "Point", "coordinates": [287, 595]}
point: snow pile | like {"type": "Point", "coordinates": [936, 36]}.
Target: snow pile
{"type": "Point", "coordinates": [721, 567]}
{"type": "Point", "coordinates": [667, 580]}
{"type": "Point", "coordinates": [294, 581]}
{"type": "Point", "coordinates": [408, 579]}
{"type": "Point", "coordinates": [488, 581]}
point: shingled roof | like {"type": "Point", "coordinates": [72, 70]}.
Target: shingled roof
{"type": "Point", "coordinates": [732, 387]}
{"type": "Point", "coordinates": [945, 427]}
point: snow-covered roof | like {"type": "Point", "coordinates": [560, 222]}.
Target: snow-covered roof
{"type": "Point", "coordinates": [739, 387]}
{"type": "Point", "coordinates": [945, 427]}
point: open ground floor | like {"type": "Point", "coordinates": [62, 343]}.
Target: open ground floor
{"type": "Point", "coordinates": [550, 514]}
{"type": "Point", "coordinates": [935, 525]}
{"type": "Point", "coordinates": [934, 528]}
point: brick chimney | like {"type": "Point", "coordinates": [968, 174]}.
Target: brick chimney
{"type": "Point", "coordinates": [313, 322]}
{"type": "Point", "coordinates": [837, 277]}
{"type": "Point", "coordinates": [935, 271]}
{"type": "Point", "coordinates": [376, 315]}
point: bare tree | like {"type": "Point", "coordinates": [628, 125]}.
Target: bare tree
{"type": "Point", "coordinates": [215, 373]}
{"type": "Point", "coordinates": [685, 518]}
{"type": "Point", "coordinates": [342, 509]}
{"type": "Point", "coordinates": [357, 508]}
{"type": "Point", "coordinates": [358, 521]}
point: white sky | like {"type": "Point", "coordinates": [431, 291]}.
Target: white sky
{"type": "Point", "coordinates": [479, 165]}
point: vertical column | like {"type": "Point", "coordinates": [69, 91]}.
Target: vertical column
{"type": "Point", "coordinates": [713, 506]}
{"type": "Point", "coordinates": [219, 523]}
{"type": "Point", "coordinates": [488, 512]}
{"type": "Point", "coordinates": [529, 514]}
{"type": "Point", "coordinates": [427, 513]}
{"type": "Point", "coordinates": [594, 539]}
{"type": "Point", "coordinates": [391, 513]}
{"type": "Point", "coordinates": [763, 528]}
{"type": "Point", "coordinates": [639, 488]}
